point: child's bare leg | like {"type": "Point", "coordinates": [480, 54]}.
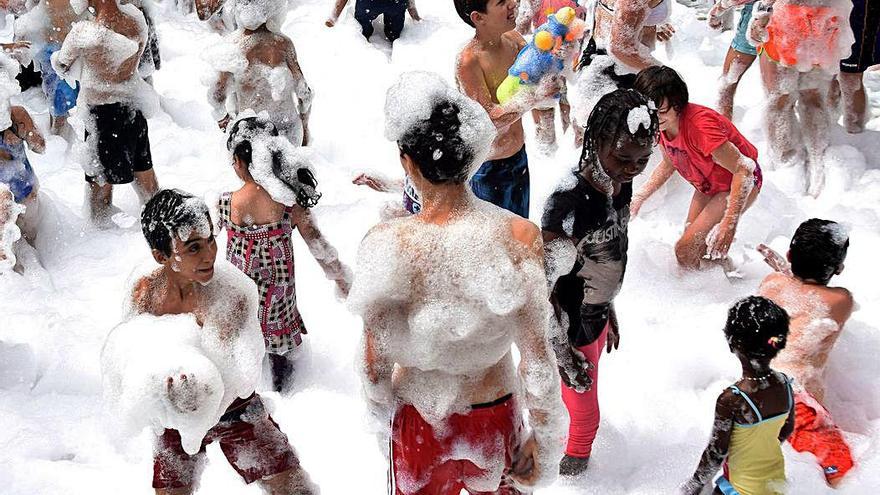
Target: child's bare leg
{"type": "Point", "coordinates": [174, 491]}
{"type": "Point", "coordinates": [815, 124]}
{"type": "Point", "coordinates": [29, 220]}
{"type": "Point", "coordinates": [545, 126]}
{"type": "Point", "coordinates": [294, 481]}
{"type": "Point", "coordinates": [735, 65]}
{"type": "Point", "coordinates": [145, 185]}
{"type": "Point", "coordinates": [781, 84]}
{"type": "Point", "coordinates": [58, 124]}
{"type": "Point", "coordinates": [691, 248]}
{"type": "Point", "coordinates": [100, 201]}
{"type": "Point", "coordinates": [565, 115]}
{"type": "Point", "coordinates": [855, 101]}
{"type": "Point", "coordinates": [9, 212]}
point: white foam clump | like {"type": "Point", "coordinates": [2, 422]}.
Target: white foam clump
{"type": "Point", "coordinates": [222, 361]}
{"type": "Point", "coordinates": [9, 231]}
{"type": "Point", "coordinates": [412, 100]}
{"type": "Point", "coordinates": [79, 6]}
{"type": "Point", "coordinates": [839, 233]}
{"type": "Point", "coordinates": [202, 228]}
{"type": "Point", "coordinates": [591, 84]}
{"type": "Point", "coordinates": [452, 312]}
{"type": "Point", "coordinates": [251, 14]}
{"type": "Point", "coordinates": [813, 51]}
{"type": "Point", "coordinates": [639, 116]}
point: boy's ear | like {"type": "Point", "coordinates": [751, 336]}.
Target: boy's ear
{"type": "Point", "coordinates": [839, 269]}
{"type": "Point", "coordinates": [476, 17]}
{"type": "Point", "coordinates": [159, 256]}
{"type": "Point", "coordinates": [788, 256]}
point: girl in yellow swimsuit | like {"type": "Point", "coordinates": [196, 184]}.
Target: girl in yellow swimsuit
{"type": "Point", "coordinates": [756, 414]}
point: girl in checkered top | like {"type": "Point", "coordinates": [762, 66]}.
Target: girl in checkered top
{"type": "Point", "coordinates": [278, 191]}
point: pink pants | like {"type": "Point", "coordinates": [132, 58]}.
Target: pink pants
{"type": "Point", "coordinates": [584, 408]}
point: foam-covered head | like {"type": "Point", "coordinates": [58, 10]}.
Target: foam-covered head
{"type": "Point", "coordinates": [251, 14]}
{"type": "Point", "coordinates": [620, 136]}
{"type": "Point", "coordinates": [818, 250]}
{"type": "Point", "coordinates": [282, 169]}
{"type": "Point", "coordinates": [446, 134]}
{"type": "Point", "coordinates": [757, 328]}
{"type": "Point", "coordinates": [178, 229]}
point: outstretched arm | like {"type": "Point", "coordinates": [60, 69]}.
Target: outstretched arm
{"type": "Point", "coordinates": [716, 451]}
{"type": "Point", "coordinates": [334, 14]}
{"type": "Point", "coordinates": [626, 31]}
{"type": "Point", "coordinates": [324, 252]}
{"type": "Point", "coordinates": [743, 170]}
{"type": "Point", "coordinates": [303, 91]}
{"type": "Point", "coordinates": [659, 176]}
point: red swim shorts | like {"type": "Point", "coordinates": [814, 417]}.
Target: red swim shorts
{"type": "Point", "coordinates": [474, 452]}
{"type": "Point", "coordinates": [815, 432]}
{"type": "Point", "coordinates": [249, 438]}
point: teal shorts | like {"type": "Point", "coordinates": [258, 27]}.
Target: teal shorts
{"type": "Point", "coordinates": [740, 43]}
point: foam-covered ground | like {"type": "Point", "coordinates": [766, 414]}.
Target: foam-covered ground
{"type": "Point", "coordinates": [657, 392]}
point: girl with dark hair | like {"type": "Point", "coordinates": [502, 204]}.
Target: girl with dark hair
{"type": "Point", "coordinates": [754, 415]}
{"type": "Point", "coordinates": [589, 212]}
{"type": "Point", "coordinates": [259, 219]}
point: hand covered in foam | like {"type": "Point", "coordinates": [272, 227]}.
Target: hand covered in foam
{"type": "Point", "coordinates": [757, 32]}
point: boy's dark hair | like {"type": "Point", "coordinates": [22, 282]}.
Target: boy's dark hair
{"type": "Point", "coordinates": [610, 119]}
{"type": "Point", "coordinates": [436, 146]}
{"type": "Point", "coordinates": [167, 211]}
{"type": "Point", "coordinates": [757, 327]}
{"type": "Point", "coordinates": [817, 250]}
{"type": "Point", "coordinates": [660, 82]}
{"type": "Point", "coordinates": [465, 7]}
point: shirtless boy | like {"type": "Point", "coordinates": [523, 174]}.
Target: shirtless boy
{"type": "Point", "coordinates": [444, 294]}
{"type": "Point", "coordinates": [818, 313]}
{"type": "Point", "coordinates": [185, 283]}
{"type": "Point", "coordinates": [265, 51]}
{"type": "Point", "coordinates": [482, 65]}
{"type": "Point", "coordinates": [117, 132]}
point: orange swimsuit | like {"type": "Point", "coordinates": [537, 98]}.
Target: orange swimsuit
{"type": "Point", "coordinates": [803, 32]}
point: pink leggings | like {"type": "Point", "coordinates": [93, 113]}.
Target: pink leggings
{"type": "Point", "coordinates": [584, 408]}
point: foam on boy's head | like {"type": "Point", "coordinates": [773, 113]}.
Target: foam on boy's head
{"type": "Point", "coordinates": [818, 249]}
{"type": "Point", "coordinates": [172, 213]}
{"type": "Point", "coordinates": [445, 133]}
{"type": "Point", "coordinates": [757, 328]}
{"type": "Point", "coordinates": [251, 14]}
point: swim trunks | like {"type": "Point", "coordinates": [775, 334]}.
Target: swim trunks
{"type": "Point", "coordinates": [815, 432]}
{"type": "Point", "coordinates": [61, 96]}
{"type": "Point", "coordinates": [598, 225]}
{"type": "Point", "coordinates": [804, 36]}
{"type": "Point", "coordinates": [249, 438]}
{"type": "Point", "coordinates": [425, 463]}
{"type": "Point", "coordinates": [123, 143]}
{"type": "Point", "coordinates": [16, 172]}
{"type": "Point", "coordinates": [505, 183]}
{"type": "Point", "coordinates": [701, 131]}
{"type": "Point", "coordinates": [865, 23]}
{"type": "Point", "coordinates": [740, 42]}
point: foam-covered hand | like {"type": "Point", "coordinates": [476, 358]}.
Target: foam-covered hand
{"type": "Point", "coordinates": [757, 30]}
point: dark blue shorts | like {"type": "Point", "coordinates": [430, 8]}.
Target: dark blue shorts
{"type": "Point", "coordinates": [505, 183]}
{"type": "Point", "coordinates": [865, 22]}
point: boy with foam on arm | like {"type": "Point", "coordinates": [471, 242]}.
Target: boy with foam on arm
{"type": "Point", "coordinates": [818, 313]}
{"type": "Point", "coordinates": [260, 71]}
{"type": "Point", "coordinates": [103, 55]}
{"type": "Point", "coordinates": [222, 308]}
{"type": "Point", "coordinates": [482, 66]}
{"type": "Point", "coordinates": [366, 11]}
{"type": "Point", "coordinates": [444, 295]}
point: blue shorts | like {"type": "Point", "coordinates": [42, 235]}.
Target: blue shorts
{"type": "Point", "coordinates": [505, 183]}
{"type": "Point", "coordinates": [60, 95]}
{"type": "Point", "coordinates": [20, 178]}
{"type": "Point", "coordinates": [740, 43]}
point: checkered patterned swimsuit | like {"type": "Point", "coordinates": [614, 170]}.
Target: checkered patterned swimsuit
{"type": "Point", "coordinates": [265, 254]}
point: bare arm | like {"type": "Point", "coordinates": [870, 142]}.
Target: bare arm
{"type": "Point", "coordinates": [788, 427]}
{"type": "Point", "coordinates": [743, 170]}
{"type": "Point", "coordinates": [64, 58]}
{"type": "Point", "coordinates": [413, 11]}
{"type": "Point", "coordinates": [537, 371]}
{"type": "Point", "coordinates": [661, 174]}
{"type": "Point", "coordinates": [218, 96]}
{"type": "Point", "coordinates": [325, 254]}
{"type": "Point", "coordinates": [716, 451]}
{"type": "Point", "coordinates": [335, 13]}
{"type": "Point", "coordinates": [28, 131]}
{"type": "Point", "coordinates": [626, 29]}
{"type": "Point", "coordinates": [472, 82]}
{"type": "Point", "coordinates": [303, 91]}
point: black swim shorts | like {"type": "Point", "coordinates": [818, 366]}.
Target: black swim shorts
{"type": "Point", "coordinates": [123, 143]}
{"type": "Point", "coordinates": [865, 22]}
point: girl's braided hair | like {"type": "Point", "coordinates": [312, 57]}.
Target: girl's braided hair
{"type": "Point", "coordinates": [609, 120]}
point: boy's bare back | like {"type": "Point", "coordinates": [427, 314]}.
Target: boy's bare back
{"type": "Point", "coordinates": [817, 314]}
{"type": "Point", "coordinates": [61, 18]}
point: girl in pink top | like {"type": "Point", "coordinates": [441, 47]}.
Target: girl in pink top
{"type": "Point", "coordinates": [707, 150]}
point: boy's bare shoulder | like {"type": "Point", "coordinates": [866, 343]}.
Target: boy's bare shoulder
{"type": "Point", "coordinates": [513, 36]}
{"type": "Point", "coordinates": [143, 293]}
{"type": "Point", "coordinates": [469, 56]}
{"type": "Point", "coordinates": [526, 234]}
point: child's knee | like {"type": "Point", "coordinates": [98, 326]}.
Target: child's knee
{"type": "Point", "coordinates": [687, 254]}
